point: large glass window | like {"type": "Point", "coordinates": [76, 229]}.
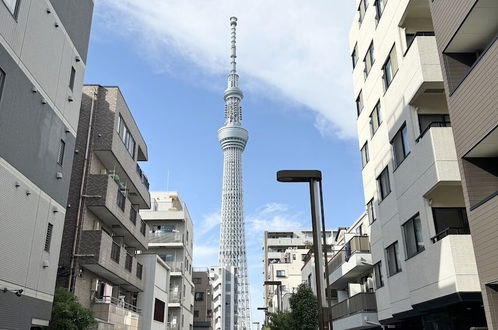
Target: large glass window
{"type": "Point", "coordinates": [412, 232]}
{"type": "Point", "coordinates": [390, 68]}
{"type": "Point", "coordinates": [371, 211]}
{"type": "Point", "coordinates": [12, 5]}
{"type": "Point", "coordinates": [369, 59]}
{"type": "Point", "coordinates": [364, 154]}
{"type": "Point", "coordinates": [401, 146]}
{"type": "Point", "coordinates": [384, 184]}
{"type": "Point", "coordinates": [378, 275]}
{"type": "Point", "coordinates": [379, 8]}
{"type": "Point", "coordinates": [159, 307]}
{"type": "Point", "coordinates": [392, 257]}
{"type": "Point", "coordinates": [375, 118]}
{"type": "Point", "coordinates": [359, 103]}
{"type": "Point", "coordinates": [125, 135]}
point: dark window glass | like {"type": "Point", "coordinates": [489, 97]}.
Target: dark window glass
{"type": "Point", "coordinates": [445, 218]}
{"type": "Point", "coordinates": [140, 269]}
{"type": "Point", "coordinates": [2, 79]}
{"type": "Point", "coordinates": [121, 200]}
{"type": "Point", "coordinates": [369, 59]}
{"type": "Point", "coordinates": [159, 306]}
{"type": "Point", "coordinates": [125, 135]}
{"type": "Point", "coordinates": [128, 262]}
{"type": "Point", "coordinates": [384, 184]}
{"type": "Point", "coordinates": [199, 296]}
{"type": "Point", "coordinates": [364, 154]}
{"type": "Point", "coordinates": [362, 9]}
{"type": "Point", "coordinates": [378, 275]}
{"type": "Point", "coordinates": [425, 121]}
{"type": "Point", "coordinates": [60, 153]}
{"type": "Point", "coordinates": [354, 55]}
{"type": "Point", "coordinates": [392, 256]}
{"type": "Point", "coordinates": [371, 211]}
{"type": "Point", "coordinates": [280, 273]}
{"type": "Point", "coordinates": [375, 118]}
{"type": "Point", "coordinates": [379, 8]}
{"type": "Point", "coordinates": [359, 103]}
{"type": "Point", "coordinates": [390, 68]}
{"type": "Point", "coordinates": [48, 237]}
{"type": "Point", "coordinates": [412, 231]}
{"type": "Point", "coordinates": [196, 280]}
{"type": "Point", "coordinates": [71, 78]}
{"type": "Point", "coordinates": [196, 313]}
{"type": "Point", "coordinates": [115, 251]}
{"type": "Point", "coordinates": [401, 146]}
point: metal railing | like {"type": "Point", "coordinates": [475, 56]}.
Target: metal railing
{"type": "Point", "coordinates": [450, 231]}
{"type": "Point", "coordinates": [115, 251]}
{"type": "Point", "coordinates": [159, 236]}
{"type": "Point", "coordinates": [433, 124]}
{"type": "Point", "coordinates": [359, 303]}
{"type": "Point", "coordinates": [116, 302]}
{"type": "Point", "coordinates": [356, 244]}
{"type": "Point", "coordinates": [143, 177]}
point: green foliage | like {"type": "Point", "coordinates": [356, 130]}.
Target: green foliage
{"type": "Point", "coordinates": [304, 314]}
{"type": "Point", "coordinates": [68, 314]}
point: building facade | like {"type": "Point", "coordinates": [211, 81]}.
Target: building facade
{"type": "Point", "coordinates": [171, 238]}
{"type": "Point", "coordinates": [283, 258]}
{"type": "Point", "coordinates": [103, 230]}
{"type": "Point", "coordinates": [42, 63]}
{"type": "Point", "coordinates": [203, 299]}
{"type": "Point", "coordinates": [224, 291]}
{"type": "Point", "coordinates": [466, 33]}
{"type": "Point", "coordinates": [420, 242]}
{"type": "Point", "coordinates": [153, 301]}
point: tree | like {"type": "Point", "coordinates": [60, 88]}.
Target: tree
{"type": "Point", "coordinates": [304, 307]}
{"type": "Point", "coordinates": [68, 314]}
{"type": "Point", "coordinates": [282, 321]}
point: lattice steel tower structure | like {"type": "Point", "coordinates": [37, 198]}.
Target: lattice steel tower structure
{"type": "Point", "coordinates": [233, 138]}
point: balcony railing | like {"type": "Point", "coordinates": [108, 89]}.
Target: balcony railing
{"type": "Point", "coordinates": [355, 245]}
{"type": "Point", "coordinates": [433, 124]}
{"type": "Point", "coordinates": [115, 250]}
{"type": "Point", "coordinates": [175, 296]}
{"type": "Point", "coordinates": [159, 236]}
{"type": "Point", "coordinates": [116, 302]}
{"type": "Point", "coordinates": [142, 176]}
{"type": "Point", "coordinates": [359, 303]}
{"type": "Point", "coordinates": [176, 266]}
{"type": "Point", "coordinates": [450, 231]}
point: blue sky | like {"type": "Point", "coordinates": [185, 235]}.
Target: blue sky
{"type": "Point", "coordinates": [171, 59]}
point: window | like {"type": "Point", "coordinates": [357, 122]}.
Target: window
{"type": "Point", "coordinates": [379, 283]}
{"type": "Point", "coordinates": [412, 232]}
{"type": "Point", "coordinates": [71, 78]}
{"type": "Point", "coordinates": [359, 103]}
{"type": "Point", "coordinates": [121, 200]}
{"type": "Point", "coordinates": [354, 55]}
{"type": "Point", "coordinates": [125, 135]}
{"type": "Point", "coordinates": [280, 273]}
{"type": "Point", "coordinates": [196, 313]}
{"type": "Point", "coordinates": [379, 8]}
{"type": "Point", "coordinates": [139, 270]}
{"type": "Point", "coordinates": [2, 79]}
{"type": "Point", "coordinates": [359, 230]}
{"type": "Point", "coordinates": [390, 68]}
{"type": "Point", "coordinates": [128, 262]}
{"type": "Point", "coordinates": [392, 257]}
{"type": "Point", "coordinates": [364, 154]}
{"type": "Point", "coordinates": [369, 59]}
{"type": "Point", "coordinates": [159, 307]}
{"type": "Point", "coordinates": [362, 9]}
{"type": "Point", "coordinates": [48, 237]}
{"type": "Point", "coordinates": [60, 153]}
{"type": "Point", "coordinates": [401, 147]}
{"type": "Point", "coordinates": [133, 213]}
{"type": "Point", "coordinates": [450, 221]}
{"type": "Point", "coordinates": [371, 211]}
{"type": "Point", "coordinates": [375, 118]}
{"type": "Point", "coordinates": [426, 121]}
{"type": "Point", "coordinates": [12, 6]}
{"type": "Point", "coordinates": [384, 184]}
{"type": "Point", "coordinates": [199, 296]}
{"type": "Point", "coordinates": [196, 280]}
{"type": "Point", "coordinates": [115, 251]}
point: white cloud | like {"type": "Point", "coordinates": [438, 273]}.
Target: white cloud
{"type": "Point", "coordinates": [209, 222]}
{"type": "Point", "coordinates": [275, 217]}
{"type": "Point", "coordinates": [297, 49]}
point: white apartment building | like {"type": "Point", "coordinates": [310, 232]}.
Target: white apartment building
{"type": "Point", "coordinates": [171, 237]}
{"type": "Point", "coordinates": [350, 270]}
{"type": "Point", "coordinates": [153, 301]}
{"type": "Point", "coordinates": [224, 289]}
{"type": "Point", "coordinates": [283, 258]}
{"type": "Point", "coordinates": [420, 243]}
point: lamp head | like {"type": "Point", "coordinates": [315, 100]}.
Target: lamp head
{"type": "Point", "coordinates": [299, 175]}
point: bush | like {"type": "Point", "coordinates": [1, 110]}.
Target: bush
{"type": "Point", "coordinates": [68, 314]}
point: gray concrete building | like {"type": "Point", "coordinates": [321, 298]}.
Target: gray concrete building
{"type": "Point", "coordinates": [43, 49]}
{"type": "Point", "coordinates": [466, 33]}
{"type": "Point", "coordinates": [203, 299]}
{"type": "Point", "coordinates": [103, 229]}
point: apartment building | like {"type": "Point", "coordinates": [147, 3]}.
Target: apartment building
{"type": "Point", "coordinates": [171, 237]}
{"type": "Point", "coordinates": [224, 289]}
{"type": "Point", "coordinates": [466, 33]}
{"type": "Point", "coordinates": [351, 280]}
{"type": "Point", "coordinates": [153, 301]}
{"type": "Point", "coordinates": [283, 258]}
{"type": "Point", "coordinates": [43, 53]}
{"type": "Point", "coordinates": [203, 299]}
{"type": "Point", "coordinates": [419, 233]}
{"type": "Point", "coordinates": [103, 230]}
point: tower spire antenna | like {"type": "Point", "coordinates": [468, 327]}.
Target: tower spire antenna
{"type": "Point", "coordinates": [233, 56]}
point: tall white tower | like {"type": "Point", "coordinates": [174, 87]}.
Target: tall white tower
{"type": "Point", "coordinates": [233, 138]}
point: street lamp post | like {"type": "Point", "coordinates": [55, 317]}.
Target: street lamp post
{"type": "Point", "coordinates": [279, 293]}
{"type": "Point", "coordinates": [313, 177]}
{"type": "Point", "coordinates": [265, 309]}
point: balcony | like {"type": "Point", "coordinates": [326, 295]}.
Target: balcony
{"type": "Point", "coordinates": [175, 296]}
{"type": "Point", "coordinates": [176, 266]}
{"type": "Point", "coordinates": [105, 197]}
{"type": "Point", "coordinates": [286, 241]}
{"type": "Point", "coordinates": [117, 312]}
{"type": "Point", "coordinates": [356, 312]}
{"type": "Point", "coordinates": [351, 261]}
{"type": "Point", "coordinates": [275, 255]}
{"type": "Point", "coordinates": [162, 238]}
{"type": "Point", "coordinates": [104, 257]}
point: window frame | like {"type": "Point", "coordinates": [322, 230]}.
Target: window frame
{"type": "Point", "coordinates": [419, 241]}
{"type": "Point", "coordinates": [280, 273]}
{"type": "Point", "coordinates": [376, 109]}
{"type": "Point", "coordinates": [354, 55]}
{"type": "Point", "coordinates": [378, 281]}
{"type": "Point", "coordinates": [13, 11]}
{"type": "Point", "coordinates": [365, 156]}
{"type": "Point", "coordinates": [199, 296]}
{"type": "Point", "coordinates": [389, 60]}
{"type": "Point", "coordinates": [158, 313]}
{"type": "Point", "coordinates": [359, 103]}
{"type": "Point", "coordinates": [402, 133]}
{"type": "Point", "coordinates": [383, 194]}
{"type": "Point", "coordinates": [48, 237]}
{"type": "Point", "coordinates": [370, 206]}
{"type": "Point", "coordinates": [2, 81]}
{"type": "Point", "coordinates": [397, 266]}
{"type": "Point", "coordinates": [371, 59]}
{"type": "Point", "coordinates": [72, 78]}
{"type": "Point", "coordinates": [378, 13]}
{"type": "Point", "coordinates": [60, 152]}
{"type": "Point", "coordinates": [365, 7]}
